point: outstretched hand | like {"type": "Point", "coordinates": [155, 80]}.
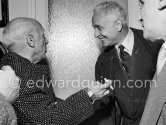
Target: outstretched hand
{"type": "Point", "coordinates": [100, 90]}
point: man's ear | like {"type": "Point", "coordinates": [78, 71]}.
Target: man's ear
{"type": "Point", "coordinates": [119, 25]}
{"type": "Point", "coordinates": [30, 40]}
{"type": "Point", "coordinates": [161, 4]}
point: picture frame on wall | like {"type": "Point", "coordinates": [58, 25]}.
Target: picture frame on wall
{"type": "Point", "coordinates": [4, 15]}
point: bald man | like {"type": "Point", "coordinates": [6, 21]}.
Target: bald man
{"type": "Point", "coordinates": [37, 104]}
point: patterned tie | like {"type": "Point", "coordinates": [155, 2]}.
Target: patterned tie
{"type": "Point", "coordinates": [161, 60]}
{"type": "Point", "coordinates": [125, 58]}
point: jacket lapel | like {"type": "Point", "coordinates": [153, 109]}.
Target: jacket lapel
{"type": "Point", "coordinates": [107, 66]}
{"type": "Point", "coordinates": [119, 73]}
{"type": "Point", "coordinates": [156, 99]}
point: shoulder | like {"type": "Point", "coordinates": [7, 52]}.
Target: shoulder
{"type": "Point", "coordinates": [105, 54]}
{"type": "Point", "coordinates": [153, 47]}
{"type": "Point", "coordinates": [137, 31]}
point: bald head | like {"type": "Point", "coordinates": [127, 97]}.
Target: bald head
{"type": "Point", "coordinates": [25, 37]}
{"type": "Point", "coordinates": [16, 31]}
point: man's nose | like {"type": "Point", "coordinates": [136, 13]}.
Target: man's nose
{"type": "Point", "coordinates": [96, 33]}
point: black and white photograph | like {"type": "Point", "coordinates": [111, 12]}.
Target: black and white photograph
{"type": "Point", "coordinates": [82, 62]}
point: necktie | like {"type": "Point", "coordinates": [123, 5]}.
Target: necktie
{"type": "Point", "coordinates": [125, 58]}
{"type": "Point", "coordinates": [161, 59]}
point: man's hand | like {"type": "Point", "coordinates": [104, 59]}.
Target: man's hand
{"type": "Point", "coordinates": [99, 90]}
{"type": "Point", "coordinates": [9, 83]}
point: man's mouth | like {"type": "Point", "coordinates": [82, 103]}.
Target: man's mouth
{"type": "Point", "coordinates": [101, 38]}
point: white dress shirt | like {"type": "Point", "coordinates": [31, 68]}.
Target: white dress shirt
{"type": "Point", "coordinates": [128, 43]}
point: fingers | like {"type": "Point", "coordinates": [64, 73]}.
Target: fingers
{"type": "Point", "coordinates": [106, 80]}
{"type": "Point", "coordinates": [106, 92]}
{"type": "Point", "coordinates": [106, 84]}
{"type": "Point", "coordinates": [103, 93]}
{"type": "Point", "coordinates": [110, 81]}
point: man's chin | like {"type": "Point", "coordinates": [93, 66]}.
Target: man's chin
{"type": "Point", "coordinates": [148, 37]}
{"type": "Point", "coordinates": [104, 43]}
{"type": "Point", "coordinates": [150, 34]}
{"type": "Point", "coordinates": [107, 43]}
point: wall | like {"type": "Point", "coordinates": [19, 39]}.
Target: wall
{"type": "Point", "coordinates": [28, 8]}
{"type": "Point", "coordinates": [134, 11]}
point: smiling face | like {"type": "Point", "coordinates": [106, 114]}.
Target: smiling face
{"type": "Point", "coordinates": [152, 19]}
{"type": "Point", "coordinates": [105, 28]}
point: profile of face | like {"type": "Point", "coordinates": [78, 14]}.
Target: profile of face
{"type": "Point", "coordinates": [40, 44]}
{"type": "Point", "coordinates": [150, 19]}
{"type": "Point", "coordinates": [105, 28]}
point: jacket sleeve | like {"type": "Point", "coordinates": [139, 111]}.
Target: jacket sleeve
{"type": "Point", "coordinates": [71, 111]}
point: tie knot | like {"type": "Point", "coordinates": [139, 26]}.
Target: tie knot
{"type": "Point", "coordinates": [121, 47]}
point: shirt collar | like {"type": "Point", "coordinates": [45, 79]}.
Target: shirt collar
{"type": "Point", "coordinates": [164, 45]}
{"type": "Point", "coordinates": [128, 42]}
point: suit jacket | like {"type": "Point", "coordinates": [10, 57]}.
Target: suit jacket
{"type": "Point", "coordinates": [37, 103]}
{"type": "Point", "coordinates": [7, 113]}
{"type": "Point", "coordinates": [130, 101]}
{"type": "Point", "coordinates": [155, 108]}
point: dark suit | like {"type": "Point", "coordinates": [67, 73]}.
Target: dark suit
{"type": "Point", "coordinates": [131, 101]}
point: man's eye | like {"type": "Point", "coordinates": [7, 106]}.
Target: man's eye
{"type": "Point", "coordinates": [99, 28]}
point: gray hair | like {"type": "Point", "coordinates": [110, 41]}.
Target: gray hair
{"type": "Point", "coordinates": [110, 7]}
{"type": "Point", "coordinates": [16, 31]}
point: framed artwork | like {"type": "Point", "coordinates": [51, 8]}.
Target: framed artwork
{"type": "Point", "coordinates": [4, 15]}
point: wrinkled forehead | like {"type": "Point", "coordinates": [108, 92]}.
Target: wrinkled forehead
{"type": "Point", "coordinates": [98, 15]}
{"type": "Point", "coordinates": [99, 12]}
